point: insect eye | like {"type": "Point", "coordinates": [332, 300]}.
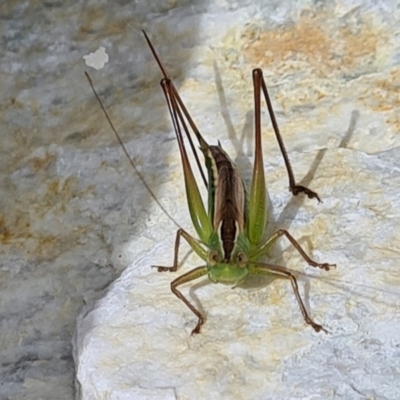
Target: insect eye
{"type": "Point", "coordinates": [241, 257]}
{"type": "Point", "coordinates": [213, 257]}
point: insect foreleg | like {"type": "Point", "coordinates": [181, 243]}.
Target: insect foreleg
{"type": "Point", "coordinates": [193, 243]}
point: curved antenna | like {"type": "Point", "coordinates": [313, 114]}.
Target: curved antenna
{"type": "Point", "coordinates": [138, 173]}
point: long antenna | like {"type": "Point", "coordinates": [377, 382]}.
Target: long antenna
{"type": "Point", "coordinates": [138, 173]}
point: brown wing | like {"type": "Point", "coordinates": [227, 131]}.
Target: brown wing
{"type": "Point", "coordinates": [229, 199]}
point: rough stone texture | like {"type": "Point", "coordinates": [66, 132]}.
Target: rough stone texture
{"type": "Point", "coordinates": [74, 215]}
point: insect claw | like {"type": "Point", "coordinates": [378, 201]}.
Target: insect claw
{"type": "Point", "coordinates": [164, 269]}
{"type": "Point", "coordinates": [327, 266]}
{"type": "Point", "coordinates": [324, 266]}
{"type": "Point", "coordinates": [196, 330]}
{"type": "Point", "coordinates": [308, 192]}
{"type": "Point", "coordinates": [316, 326]}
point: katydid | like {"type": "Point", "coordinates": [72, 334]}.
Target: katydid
{"type": "Point", "coordinates": [231, 231]}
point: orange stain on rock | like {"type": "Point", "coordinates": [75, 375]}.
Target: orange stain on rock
{"type": "Point", "coordinates": [23, 229]}
{"type": "Point", "coordinates": [61, 191]}
{"type": "Point", "coordinates": [96, 18]}
{"type": "Point", "coordinates": [327, 60]}
{"type": "Point", "coordinates": [305, 38]}
{"type": "Point", "coordinates": [18, 233]}
{"type": "Point", "coordinates": [42, 163]}
{"type": "Point", "coordinates": [384, 96]}
{"type": "Point", "coordinates": [5, 232]}
{"type": "Point", "coordinates": [309, 41]}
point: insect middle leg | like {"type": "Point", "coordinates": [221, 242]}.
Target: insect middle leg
{"type": "Point", "coordinates": [270, 242]}
{"type": "Point", "coordinates": [193, 243]}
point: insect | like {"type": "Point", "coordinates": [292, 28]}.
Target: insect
{"type": "Point", "coordinates": [230, 232]}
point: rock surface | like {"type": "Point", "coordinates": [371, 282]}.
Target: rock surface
{"type": "Point", "coordinates": [75, 217]}
{"type": "Point", "coordinates": [332, 79]}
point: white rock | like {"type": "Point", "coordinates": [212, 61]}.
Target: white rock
{"type": "Point", "coordinates": [337, 112]}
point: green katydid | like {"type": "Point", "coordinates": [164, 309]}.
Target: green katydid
{"type": "Point", "coordinates": [231, 231]}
